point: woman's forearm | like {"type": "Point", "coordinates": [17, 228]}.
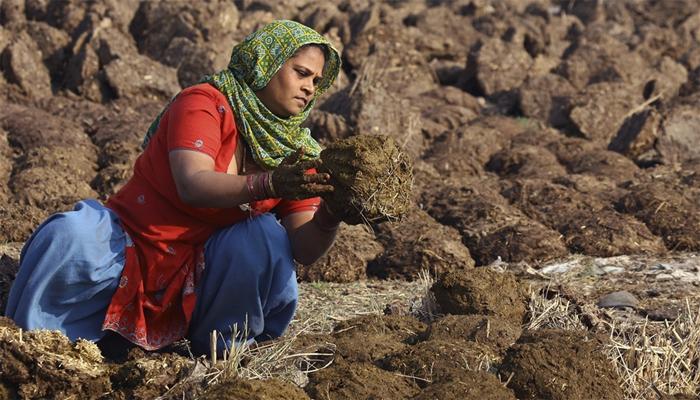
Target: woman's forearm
{"type": "Point", "coordinates": [211, 189]}
{"type": "Point", "coordinates": [314, 238]}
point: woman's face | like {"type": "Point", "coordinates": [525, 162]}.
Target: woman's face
{"type": "Point", "coordinates": [294, 85]}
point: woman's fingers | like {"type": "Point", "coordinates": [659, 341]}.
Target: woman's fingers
{"type": "Point", "coordinates": [307, 165]}
{"type": "Point", "coordinates": [316, 178]}
{"type": "Point", "coordinates": [293, 158]}
{"type": "Point", "coordinates": [316, 188]}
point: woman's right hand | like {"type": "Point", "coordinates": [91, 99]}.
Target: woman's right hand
{"type": "Point", "coordinates": [291, 181]}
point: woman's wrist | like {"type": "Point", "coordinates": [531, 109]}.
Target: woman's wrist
{"type": "Point", "coordinates": [324, 219]}
{"type": "Point", "coordinates": [260, 186]}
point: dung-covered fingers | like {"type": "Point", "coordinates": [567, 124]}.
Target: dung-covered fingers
{"type": "Point", "coordinates": [317, 188]}
{"type": "Point", "coordinates": [307, 165]}
{"type": "Point", "coordinates": [316, 178]}
{"type": "Point", "coordinates": [293, 158]}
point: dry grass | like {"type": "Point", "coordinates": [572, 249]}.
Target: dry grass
{"type": "Point", "coordinates": [425, 307]}
{"type": "Point", "coordinates": [322, 305]}
{"type": "Point", "coordinates": [651, 359]}
{"type": "Point", "coordinates": [555, 312]}
{"type": "Point", "coordinates": [658, 357]}
{"type": "Point", "coordinates": [273, 359]}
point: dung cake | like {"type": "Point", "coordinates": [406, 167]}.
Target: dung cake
{"type": "Point", "coordinates": [373, 179]}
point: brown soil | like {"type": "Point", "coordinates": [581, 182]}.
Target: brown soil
{"type": "Point", "coordinates": [494, 332]}
{"type": "Point", "coordinates": [588, 224]}
{"type": "Point", "coordinates": [446, 108]}
{"type": "Point", "coordinates": [255, 390]}
{"type": "Point", "coordinates": [372, 179]}
{"type": "Point", "coordinates": [29, 129]}
{"type": "Point", "coordinates": [352, 381]}
{"type": "Point", "coordinates": [678, 143]}
{"type": "Point", "coordinates": [562, 365]}
{"type": "Point", "coordinates": [472, 292]}
{"type": "Point", "coordinates": [417, 244]}
{"type": "Point", "coordinates": [468, 385]}
{"type": "Point", "coordinates": [64, 191]}
{"type": "Point", "coordinates": [347, 260]}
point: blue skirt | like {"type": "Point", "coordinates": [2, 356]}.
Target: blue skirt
{"type": "Point", "coordinates": [71, 265]}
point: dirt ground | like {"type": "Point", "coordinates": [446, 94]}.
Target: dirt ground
{"type": "Point", "coordinates": [552, 246]}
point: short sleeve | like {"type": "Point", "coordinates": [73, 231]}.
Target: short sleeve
{"type": "Point", "coordinates": [288, 207]}
{"type": "Point", "coordinates": [194, 123]}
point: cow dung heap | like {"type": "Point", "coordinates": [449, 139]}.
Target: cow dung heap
{"type": "Point", "coordinates": [373, 179]}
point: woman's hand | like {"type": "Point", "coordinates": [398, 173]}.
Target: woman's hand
{"type": "Point", "coordinates": [290, 180]}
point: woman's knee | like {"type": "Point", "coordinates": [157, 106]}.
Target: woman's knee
{"type": "Point", "coordinates": [72, 230]}
{"type": "Point", "coordinates": [259, 236]}
{"type": "Point", "coordinates": [64, 228]}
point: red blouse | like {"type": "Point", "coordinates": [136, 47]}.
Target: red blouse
{"type": "Point", "coordinates": [165, 248]}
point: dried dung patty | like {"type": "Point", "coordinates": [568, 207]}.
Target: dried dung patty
{"type": "Point", "coordinates": [255, 389]}
{"type": "Point", "coordinates": [608, 233]}
{"type": "Point", "coordinates": [667, 211]}
{"type": "Point", "coordinates": [370, 338]}
{"type": "Point", "coordinates": [468, 385]}
{"type": "Point", "coordinates": [416, 244]}
{"type": "Point", "coordinates": [549, 203]}
{"type": "Point", "coordinates": [351, 381]}
{"type": "Point", "coordinates": [45, 364]}
{"type": "Point", "coordinates": [525, 161]}
{"type": "Point", "coordinates": [439, 360]}
{"type": "Point", "coordinates": [496, 333]}
{"type": "Point", "coordinates": [347, 260]}
{"type": "Point", "coordinates": [481, 291]}
{"type": "Point", "coordinates": [373, 179]}
{"type": "Point", "coordinates": [524, 240]}
{"type": "Point", "coordinates": [403, 328]}
{"type": "Point", "coordinates": [559, 365]}
{"type": "Point", "coordinates": [18, 221]}
{"type": "Point", "coordinates": [144, 375]}
{"type": "Point", "coordinates": [8, 271]}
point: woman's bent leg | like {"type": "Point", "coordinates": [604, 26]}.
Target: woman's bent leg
{"type": "Point", "coordinates": [249, 280]}
{"type": "Point", "coordinates": [69, 269]}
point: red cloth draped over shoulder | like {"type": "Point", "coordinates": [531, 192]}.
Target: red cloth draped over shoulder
{"type": "Point", "coordinates": [165, 253]}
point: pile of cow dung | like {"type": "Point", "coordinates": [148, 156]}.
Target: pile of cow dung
{"type": "Point", "coordinates": [534, 133]}
{"type": "Point", "coordinates": [372, 177]}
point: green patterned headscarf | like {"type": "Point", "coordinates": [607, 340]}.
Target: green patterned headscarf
{"type": "Point", "coordinates": [253, 63]}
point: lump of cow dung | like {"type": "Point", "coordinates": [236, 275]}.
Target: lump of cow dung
{"type": "Point", "coordinates": [373, 179]}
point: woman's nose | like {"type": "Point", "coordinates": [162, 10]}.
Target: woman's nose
{"type": "Point", "coordinates": [308, 87]}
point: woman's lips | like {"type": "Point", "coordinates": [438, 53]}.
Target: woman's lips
{"type": "Point", "coordinates": [303, 100]}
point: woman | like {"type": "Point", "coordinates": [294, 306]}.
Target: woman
{"type": "Point", "coordinates": [192, 242]}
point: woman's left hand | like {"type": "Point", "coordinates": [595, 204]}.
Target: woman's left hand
{"type": "Point", "coordinates": [290, 180]}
